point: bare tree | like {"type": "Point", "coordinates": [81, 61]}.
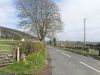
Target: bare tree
{"type": "Point", "coordinates": [41, 17]}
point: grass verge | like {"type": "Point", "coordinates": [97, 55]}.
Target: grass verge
{"type": "Point", "coordinates": [29, 66]}
{"type": "Point", "coordinates": [92, 53]}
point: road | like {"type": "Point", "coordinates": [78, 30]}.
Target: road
{"type": "Point", "coordinates": [67, 63]}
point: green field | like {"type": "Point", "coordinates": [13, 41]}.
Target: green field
{"type": "Point", "coordinates": [6, 45]}
{"type": "Point", "coordinates": [7, 42]}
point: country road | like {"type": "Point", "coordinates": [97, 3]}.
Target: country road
{"type": "Point", "coordinates": [67, 63]}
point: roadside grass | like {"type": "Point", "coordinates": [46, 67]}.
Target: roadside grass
{"type": "Point", "coordinates": [29, 66]}
{"type": "Point", "coordinates": [84, 52]}
{"type": "Point", "coordinates": [77, 51]}
{"type": "Point", "coordinates": [37, 60]}
{"type": "Point", "coordinates": [17, 68]}
{"type": "Point", "coordinates": [91, 52]}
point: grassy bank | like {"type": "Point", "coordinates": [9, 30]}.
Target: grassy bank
{"type": "Point", "coordinates": [32, 63]}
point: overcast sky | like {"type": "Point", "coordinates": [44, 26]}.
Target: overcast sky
{"type": "Point", "coordinates": [72, 11]}
{"type": "Point", "coordinates": [8, 17]}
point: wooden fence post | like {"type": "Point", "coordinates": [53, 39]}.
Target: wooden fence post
{"type": "Point", "coordinates": [18, 54]}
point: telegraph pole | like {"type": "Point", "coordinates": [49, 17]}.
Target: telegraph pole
{"type": "Point", "coordinates": [84, 33]}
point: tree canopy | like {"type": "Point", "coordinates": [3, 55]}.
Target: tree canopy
{"type": "Point", "coordinates": [40, 17]}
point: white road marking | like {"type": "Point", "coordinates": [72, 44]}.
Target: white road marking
{"type": "Point", "coordinates": [57, 50]}
{"type": "Point", "coordinates": [66, 55]}
{"type": "Point", "coordinates": [89, 67]}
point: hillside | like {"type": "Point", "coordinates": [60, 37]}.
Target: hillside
{"type": "Point", "coordinates": [7, 33]}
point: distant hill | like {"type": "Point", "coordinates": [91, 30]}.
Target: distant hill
{"type": "Point", "coordinates": [8, 33]}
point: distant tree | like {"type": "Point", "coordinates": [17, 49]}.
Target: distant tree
{"type": "Point", "coordinates": [50, 42]}
{"type": "Point", "coordinates": [98, 47]}
{"type": "Point", "coordinates": [92, 46]}
{"type": "Point", "coordinates": [41, 17]}
{"type": "Point", "coordinates": [55, 42]}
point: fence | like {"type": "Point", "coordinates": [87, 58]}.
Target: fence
{"type": "Point", "coordinates": [6, 54]}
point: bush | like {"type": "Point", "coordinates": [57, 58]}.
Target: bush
{"type": "Point", "coordinates": [29, 47]}
{"type": "Point", "coordinates": [38, 45]}
{"type": "Point", "coordinates": [26, 47]}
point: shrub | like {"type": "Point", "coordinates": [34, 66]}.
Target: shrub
{"type": "Point", "coordinates": [38, 45]}
{"type": "Point", "coordinates": [29, 47]}
{"type": "Point", "coordinates": [26, 47]}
